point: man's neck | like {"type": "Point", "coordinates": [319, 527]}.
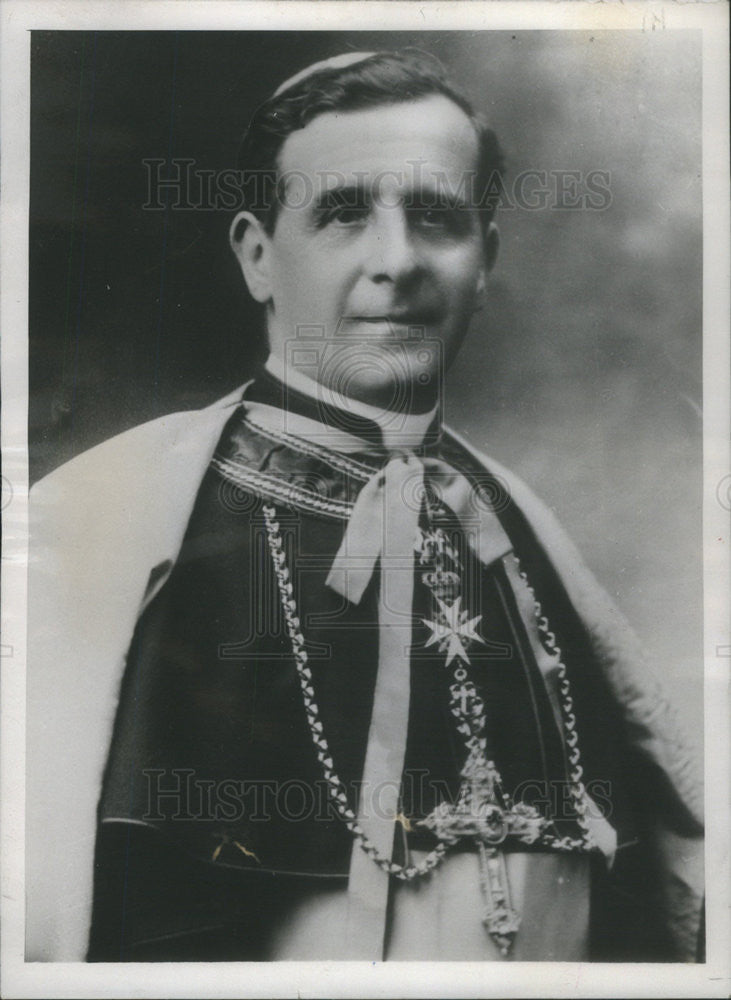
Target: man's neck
{"type": "Point", "coordinates": [398, 428]}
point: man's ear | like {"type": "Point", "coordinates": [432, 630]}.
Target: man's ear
{"type": "Point", "coordinates": [251, 244]}
{"type": "Point", "coordinates": [490, 246]}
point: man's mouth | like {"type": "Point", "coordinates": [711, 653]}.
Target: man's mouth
{"type": "Point", "coordinates": [397, 318]}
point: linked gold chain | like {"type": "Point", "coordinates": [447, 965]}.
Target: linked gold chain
{"type": "Point", "coordinates": [453, 631]}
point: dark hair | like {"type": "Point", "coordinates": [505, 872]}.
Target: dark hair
{"type": "Point", "coordinates": [381, 79]}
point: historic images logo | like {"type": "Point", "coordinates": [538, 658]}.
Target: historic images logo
{"type": "Point", "coordinates": [180, 795]}
{"type": "Point", "coordinates": [183, 186]}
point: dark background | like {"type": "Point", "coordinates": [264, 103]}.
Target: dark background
{"type": "Point", "coordinates": [584, 371]}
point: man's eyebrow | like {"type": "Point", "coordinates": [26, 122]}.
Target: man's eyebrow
{"type": "Point", "coordinates": [437, 196]}
{"type": "Point", "coordinates": [357, 194]}
{"type": "Point", "coordinates": [351, 194]}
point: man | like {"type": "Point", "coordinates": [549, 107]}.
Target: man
{"type": "Point", "coordinates": [310, 677]}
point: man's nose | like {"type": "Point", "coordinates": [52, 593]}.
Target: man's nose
{"type": "Point", "coordinates": [391, 254]}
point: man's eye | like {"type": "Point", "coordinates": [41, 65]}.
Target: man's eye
{"type": "Point", "coordinates": [451, 220]}
{"type": "Point", "coordinates": [433, 218]}
{"type": "Point", "coordinates": [347, 215]}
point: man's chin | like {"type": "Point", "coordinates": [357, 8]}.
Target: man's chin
{"type": "Point", "coordinates": [394, 374]}
{"type": "Point", "coordinates": [405, 394]}
{"type": "Point", "coordinates": [386, 331]}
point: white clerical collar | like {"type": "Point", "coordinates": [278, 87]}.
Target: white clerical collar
{"type": "Point", "coordinates": [398, 430]}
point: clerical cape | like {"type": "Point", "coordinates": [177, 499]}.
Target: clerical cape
{"type": "Point", "coordinates": [167, 730]}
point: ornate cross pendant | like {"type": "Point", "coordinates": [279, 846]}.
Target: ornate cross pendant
{"type": "Point", "coordinates": [483, 814]}
{"type": "Point", "coordinates": [488, 825]}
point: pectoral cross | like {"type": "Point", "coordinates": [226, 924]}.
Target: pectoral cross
{"type": "Point", "coordinates": [464, 694]}
{"type": "Point", "coordinates": [484, 815]}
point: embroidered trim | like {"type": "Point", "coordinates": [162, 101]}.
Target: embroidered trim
{"type": "Point", "coordinates": [351, 466]}
{"type": "Point", "coordinates": [280, 490]}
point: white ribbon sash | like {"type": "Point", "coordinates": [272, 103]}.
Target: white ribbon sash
{"type": "Point", "coordinates": [394, 529]}
{"type": "Point", "coordinates": [383, 526]}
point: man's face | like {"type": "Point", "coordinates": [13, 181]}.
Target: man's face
{"type": "Point", "coordinates": [376, 249]}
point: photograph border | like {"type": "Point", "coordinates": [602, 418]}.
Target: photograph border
{"type": "Point", "coordinates": [21, 979]}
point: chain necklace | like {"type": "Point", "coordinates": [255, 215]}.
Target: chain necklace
{"type": "Point", "coordinates": [483, 811]}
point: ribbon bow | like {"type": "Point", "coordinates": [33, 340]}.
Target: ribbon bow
{"type": "Point", "coordinates": [385, 518]}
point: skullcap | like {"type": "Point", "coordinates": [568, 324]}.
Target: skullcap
{"type": "Point", "coordinates": [334, 62]}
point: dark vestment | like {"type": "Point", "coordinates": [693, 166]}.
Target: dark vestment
{"type": "Point", "coordinates": [211, 713]}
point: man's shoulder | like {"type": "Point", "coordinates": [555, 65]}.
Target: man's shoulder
{"type": "Point", "coordinates": [634, 681]}
{"type": "Point", "coordinates": [154, 450]}
{"type": "Point", "coordinates": [499, 486]}
{"type": "Point", "coordinates": [133, 492]}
